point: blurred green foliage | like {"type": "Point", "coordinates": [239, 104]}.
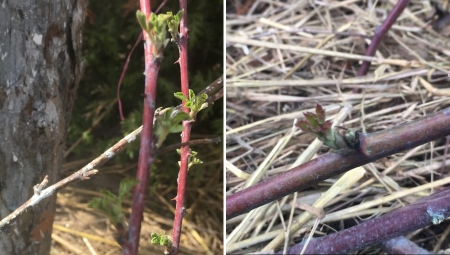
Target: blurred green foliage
{"type": "Point", "coordinates": [111, 205]}
{"type": "Point", "coordinates": [110, 32]}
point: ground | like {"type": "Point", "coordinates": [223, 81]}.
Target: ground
{"type": "Point", "coordinates": [283, 58]}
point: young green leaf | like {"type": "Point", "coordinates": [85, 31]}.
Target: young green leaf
{"type": "Point", "coordinates": [179, 117]}
{"type": "Point", "coordinates": [111, 205]}
{"type": "Point", "coordinates": [316, 124]}
{"type": "Point", "coordinates": [168, 122]}
{"type": "Point", "coordinates": [176, 129]}
{"type": "Point", "coordinates": [312, 120]}
{"type": "Point", "coordinates": [303, 125]}
{"type": "Point", "coordinates": [142, 19]}
{"type": "Point", "coordinates": [173, 23]}
{"type": "Point", "coordinates": [156, 30]}
{"type": "Point", "coordinates": [194, 103]}
{"type": "Point", "coordinates": [193, 160]}
{"type": "Point", "coordinates": [191, 94]}
{"type": "Point", "coordinates": [161, 239]}
{"type": "Point", "coordinates": [154, 238]}
{"type": "Point", "coordinates": [181, 96]}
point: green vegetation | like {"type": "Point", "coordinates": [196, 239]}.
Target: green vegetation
{"type": "Point", "coordinates": [111, 205]}
{"type": "Point", "coordinates": [110, 33]}
{"type": "Point", "coordinates": [316, 124]}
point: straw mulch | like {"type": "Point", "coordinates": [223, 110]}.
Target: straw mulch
{"type": "Point", "coordinates": [80, 230]}
{"type": "Point", "coordinates": [284, 57]}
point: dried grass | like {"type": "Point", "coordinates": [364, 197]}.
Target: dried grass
{"type": "Point", "coordinates": [283, 57]}
{"type": "Point", "coordinates": [78, 229]}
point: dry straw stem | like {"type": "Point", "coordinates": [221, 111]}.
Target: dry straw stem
{"type": "Point", "coordinates": [431, 210]}
{"type": "Point", "coordinates": [283, 58]}
{"type": "Point", "coordinates": [344, 183]}
{"type": "Point", "coordinates": [250, 42]}
{"type": "Point", "coordinates": [259, 213]}
{"type": "Point", "coordinates": [236, 171]}
{"type": "Point", "coordinates": [85, 222]}
{"type": "Point", "coordinates": [85, 235]}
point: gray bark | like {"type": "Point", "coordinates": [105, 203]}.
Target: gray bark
{"type": "Point", "coordinates": [40, 68]}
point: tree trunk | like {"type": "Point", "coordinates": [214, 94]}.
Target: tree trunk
{"type": "Point", "coordinates": [40, 68]}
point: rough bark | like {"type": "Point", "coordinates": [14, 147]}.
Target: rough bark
{"type": "Point", "coordinates": [40, 68]}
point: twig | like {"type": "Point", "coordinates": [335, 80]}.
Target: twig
{"type": "Point", "coordinates": [82, 174]}
{"type": "Point", "coordinates": [380, 32]}
{"type": "Point", "coordinates": [401, 245]}
{"type": "Point", "coordinates": [372, 147]}
{"type": "Point", "coordinates": [430, 210]}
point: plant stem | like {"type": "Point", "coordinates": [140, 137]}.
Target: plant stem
{"type": "Point", "coordinates": [212, 90]}
{"type": "Point", "coordinates": [82, 174]}
{"type": "Point", "coordinates": [372, 147]}
{"type": "Point", "coordinates": [380, 32]}
{"type": "Point", "coordinates": [122, 75]}
{"type": "Point", "coordinates": [125, 67]}
{"type": "Point", "coordinates": [425, 212]}
{"type": "Point", "coordinates": [401, 245]}
{"type": "Point", "coordinates": [191, 142]}
{"type": "Point", "coordinates": [186, 134]}
{"type": "Point", "coordinates": [146, 150]}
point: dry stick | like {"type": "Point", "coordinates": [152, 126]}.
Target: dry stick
{"type": "Point", "coordinates": [372, 147]}
{"type": "Point", "coordinates": [186, 133]}
{"type": "Point", "coordinates": [146, 149]}
{"type": "Point", "coordinates": [380, 32]}
{"type": "Point", "coordinates": [84, 173]}
{"type": "Point", "coordinates": [430, 210]}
